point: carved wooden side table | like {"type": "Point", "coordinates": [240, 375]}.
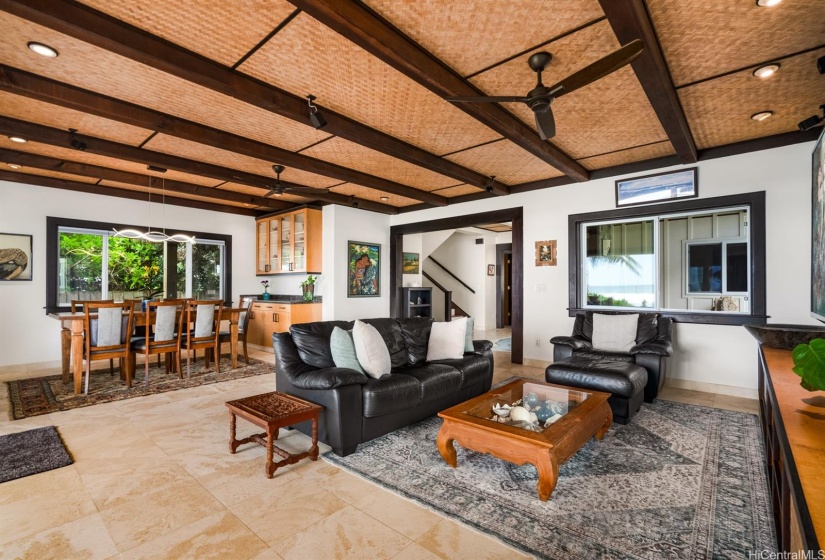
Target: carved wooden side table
{"type": "Point", "coordinates": [272, 411]}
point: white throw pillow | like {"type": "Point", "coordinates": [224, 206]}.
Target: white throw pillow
{"type": "Point", "coordinates": [371, 350]}
{"type": "Point", "coordinates": [615, 333]}
{"type": "Point", "coordinates": [447, 340]}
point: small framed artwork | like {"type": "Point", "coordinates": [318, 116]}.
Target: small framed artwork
{"type": "Point", "coordinates": [410, 263]}
{"type": "Point", "coordinates": [657, 188]}
{"type": "Point", "coordinates": [364, 269]}
{"type": "Point", "coordinates": [491, 270]}
{"type": "Point", "coordinates": [15, 257]}
{"type": "Point", "coordinates": [546, 253]}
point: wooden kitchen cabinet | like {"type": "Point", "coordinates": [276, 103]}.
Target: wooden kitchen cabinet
{"type": "Point", "coordinates": [289, 242]}
{"type": "Point", "coordinates": [273, 317]}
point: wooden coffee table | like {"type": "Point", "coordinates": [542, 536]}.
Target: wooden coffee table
{"type": "Point", "coordinates": [272, 411]}
{"type": "Point", "coordinates": [471, 424]}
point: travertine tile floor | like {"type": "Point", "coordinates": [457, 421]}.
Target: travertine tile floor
{"type": "Point", "coordinates": [153, 478]}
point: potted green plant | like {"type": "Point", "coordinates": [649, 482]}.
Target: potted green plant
{"type": "Point", "coordinates": [308, 287]}
{"type": "Point", "coordinates": [809, 364]}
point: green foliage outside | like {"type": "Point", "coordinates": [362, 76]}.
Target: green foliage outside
{"type": "Point", "coordinates": [598, 299]}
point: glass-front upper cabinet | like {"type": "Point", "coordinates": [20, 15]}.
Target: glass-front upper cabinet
{"type": "Point", "coordinates": [299, 241]}
{"type": "Point", "coordinates": [273, 245]}
{"type": "Point", "coordinates": [289, 242]}
{"type": "Point", "coordinates": [262, 259]}
{"type": "Point", "coordinates": [286, 243]}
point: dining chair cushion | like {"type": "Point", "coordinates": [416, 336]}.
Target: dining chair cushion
{"type": "Point", "coordinates": [204, 323]}
{"type": "Point", "coordinates": [165, 316]}
{"type": "Point", "coordinates": [109, 326]}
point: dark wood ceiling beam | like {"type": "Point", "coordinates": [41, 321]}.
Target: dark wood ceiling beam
{"type": "Point", "coordinates": [37, 87]}
{"type": "Point", "coordinates": [75, 186]}
{"type": "Point", "coordinates": [36, 161]}
{"type": "Point", "coordinates": [61, 138]}
{"type": "Point", "coordinates": [369, 31]}
{"type": "Point", "coordinates": [90, 26]}
{"type": "Point", "coordinates": [630, 20]}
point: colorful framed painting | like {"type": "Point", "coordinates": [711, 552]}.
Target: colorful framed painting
{"type": "Point", "coordinates": [410, 263]}
{"type": "Point", "coordinates": [364, 269]}
{"type": "Point", "coordinates": [15, 257]}
{"type": "Point", "coordinates": [659, 187]}
{"type": "Point", "coordinates": [546, 253]}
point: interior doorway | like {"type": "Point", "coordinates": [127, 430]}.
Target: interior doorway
{"type": "Point", "coordinates": [504, 288]}
{"type": "Point", "coordinates": [516, 264]}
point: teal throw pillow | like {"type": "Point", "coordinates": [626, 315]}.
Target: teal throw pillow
{"type": "Point", "coordinates": [343, 350]}
{"type": "Point", "coordinates": [468, 338]}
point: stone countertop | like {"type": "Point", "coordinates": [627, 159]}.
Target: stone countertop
{"type": "Point", "coordinates": [283, 298]}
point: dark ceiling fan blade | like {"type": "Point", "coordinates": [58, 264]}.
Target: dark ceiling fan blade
{"type": "Point", "coordinates": [546, 124]}
{"type": "Point", "coordinates": [599, 69]}
{"type": "Point", "coordinates": [490, 99]}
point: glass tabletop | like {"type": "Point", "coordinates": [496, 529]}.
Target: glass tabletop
{"type": "Point", "coordinates": [529, 406]}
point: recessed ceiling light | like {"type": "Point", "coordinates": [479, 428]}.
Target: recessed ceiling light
{"type": "Point", "coordinates": [18, 139]}
{"type": "Point", "coordinates": [384, 198]}
{"type": "Point", "coordinates": [42, 50]}
{"type": "Point", "coordinates": [14, 166]}
{"type": "Point", "coordinates": [766, 71]}
{"type": "Point", "coordinates": [767, 3]}
{"type": "Point", "coordinates": [761, 115]}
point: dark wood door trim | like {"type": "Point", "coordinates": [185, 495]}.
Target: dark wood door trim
{"type": "Point", "coordinates": [514, 215]}
{"type": "Point", "coordinates": [502, 249]}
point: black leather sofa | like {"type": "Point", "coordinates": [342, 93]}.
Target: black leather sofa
{"type": "Point", "coordinates": [630, 377]}
{"type": "Point", "coordinates": [358, 408]}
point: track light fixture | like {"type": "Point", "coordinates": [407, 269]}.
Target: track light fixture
{"type": "Point", "coordinates": [820, 64]}
{"type": "Point", "coordinates": [315, 116]}
{"type": "Point", "coordinates": [156, 168]}
{"type": "Point", "coordinates": [75, 143]}
{"type": "Point", "coordinates": [813, 120]}
{"type": "Point", "coordinates": [353, 202]}
{"type": "Point", "coordinates": [491, 183]}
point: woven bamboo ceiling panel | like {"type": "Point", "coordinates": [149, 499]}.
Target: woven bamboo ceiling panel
{"type": "Point", "coordinates": [154, 214]}
{"type": "Point", "coordinates": [256, 191]}
{"type": "Point", "coordinates": [351, 189]}
{"type": "Point", "coordinates": [306, 57]}
{"type": "Point", "coordinates": [640, 153]}
{"type": "Point", "coordinates": [222, 30]}
{"type": "Point", "coordinates": [32, 110]}
{"type": "Point", "coordinates": [508, 162]}
{"type": "Point", "coordinates": [356, 156]}
{"type": "Point", "coordinates": [605, 116]}
{"type": "Point", "coordinates": [458, 190]}
{"type": "Point", "coordinates": [719, 111]}
{"type": "Point", "coordinates": [69, 154]}
{"type": "Point", "coordinates": [473, 34]}
{"type": "Point", "coordinates": [217, 156]}
{"type": "Point", "coordinates": [53, 174]}
{"type": "Point", "coordinates": [95, 69]}
{"type": "Point", "coordinates": [702, 38]}
{"type": "Point", "coordinates": [499, 228]}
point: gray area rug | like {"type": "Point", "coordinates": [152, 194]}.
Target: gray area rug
{"type": "Point", "coordinates": [31, 452]}
{"type": "Point", "coordinates": [680, 481]}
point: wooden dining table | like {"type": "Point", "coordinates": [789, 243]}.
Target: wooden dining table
{"type": "Point", "coordinates": [71, 340]}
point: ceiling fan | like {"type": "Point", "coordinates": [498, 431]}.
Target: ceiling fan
{"type": "Point", "coordinates": [280, 188]}
{"type": "Point", "coordinates": [541, 97]}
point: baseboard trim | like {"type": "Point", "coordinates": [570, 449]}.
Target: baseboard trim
{"type": "Point", "coordinates": [715, 388]}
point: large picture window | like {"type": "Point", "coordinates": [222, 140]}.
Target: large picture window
{"type": "Point", "coordinates": [698, 260]}
{"type": "Point", "coordinates": [87, 262]}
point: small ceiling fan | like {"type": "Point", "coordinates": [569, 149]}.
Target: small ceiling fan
{"type": "Point", "coordinates": [541, 97]}
{"type": "Point", "coordinates": [279, 188]}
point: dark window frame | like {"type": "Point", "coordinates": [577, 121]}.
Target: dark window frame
{"type": "Point", "coordinates": [53, 224]}
{"type": "Point", "coordinates": [755, 201]}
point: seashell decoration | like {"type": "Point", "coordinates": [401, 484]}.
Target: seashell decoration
{"type": "Point", "coordinates": [519, 414]}
{"type": "Point", "coordinates": [502, 411]}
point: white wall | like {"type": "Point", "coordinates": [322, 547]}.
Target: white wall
{"type": "Point", "coordinates": [27, 334]}
{"type": "Point", "coordinates": [715, 354]}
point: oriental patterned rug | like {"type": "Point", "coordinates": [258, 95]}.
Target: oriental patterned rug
{"type": "Point", "coordinates": [679, 482]}
{"type": "Point", "coordinates": [43, 395]}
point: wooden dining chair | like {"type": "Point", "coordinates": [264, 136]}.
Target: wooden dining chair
{"type": "Point", "coordinates": [164, 321]}
{"type": "Point", "coordinates": [202, 331]}
{"type": "Point", "coordinates": [77, 307]}
{"type": "Point", "coordinates": [243, 327]}
{"type": "Point", "coordinates": [107, 328]}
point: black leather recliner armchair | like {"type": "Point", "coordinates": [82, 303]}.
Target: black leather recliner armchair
{"type": "Point", "coordinates": [358, 408]}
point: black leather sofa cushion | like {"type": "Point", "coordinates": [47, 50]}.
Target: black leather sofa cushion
{"type": "Point", "coordinates": [437, 380]}
{"type": "Point", "coordinates": [481, 346]}
{"type": "Point", "coordinates": [329, 378]}
{"type": "Point", "coordinates": [416, 333]}
{"type": "Point", "coordinates": [617, 378]}
{"type": "Point", "coordinates": [474, 368]}
{"type": "Point", "coordinates": [391, 333]}
{"type": "Point", "coordinates": [312, 341]}
{"type": "Point", "coordinates": [390, 393]}
{"type": "Point", "coordinates": [599, 356]}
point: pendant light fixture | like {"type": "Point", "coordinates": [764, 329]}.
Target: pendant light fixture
{"type": "Point", "coordinates": [156, 236]}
